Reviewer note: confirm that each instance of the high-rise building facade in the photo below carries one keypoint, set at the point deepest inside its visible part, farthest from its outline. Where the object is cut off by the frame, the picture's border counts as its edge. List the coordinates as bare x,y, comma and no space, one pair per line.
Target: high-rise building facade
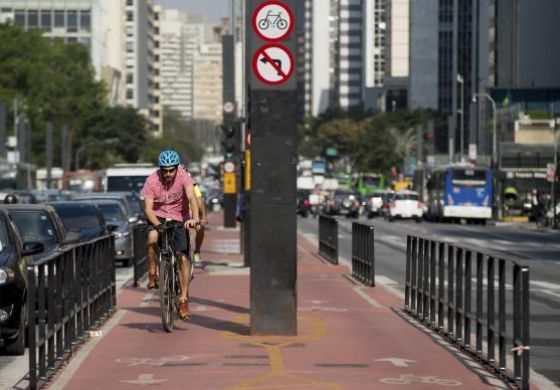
176,66
207,83
97,24
526,43
462,55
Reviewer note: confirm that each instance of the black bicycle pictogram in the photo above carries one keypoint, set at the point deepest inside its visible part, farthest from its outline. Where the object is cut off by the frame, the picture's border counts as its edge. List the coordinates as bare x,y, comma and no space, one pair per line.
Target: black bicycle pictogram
273,20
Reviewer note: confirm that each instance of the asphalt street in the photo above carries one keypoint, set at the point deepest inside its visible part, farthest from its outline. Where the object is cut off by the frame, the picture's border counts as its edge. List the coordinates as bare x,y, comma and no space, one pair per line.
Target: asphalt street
540,250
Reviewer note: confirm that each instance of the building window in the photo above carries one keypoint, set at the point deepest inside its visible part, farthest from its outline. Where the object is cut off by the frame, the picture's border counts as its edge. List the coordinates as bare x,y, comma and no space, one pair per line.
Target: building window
46,20
129,78
129,31
72,21
59,18
129,16
129,2
32,18
130,47
71,39
129,94
19,19
85,21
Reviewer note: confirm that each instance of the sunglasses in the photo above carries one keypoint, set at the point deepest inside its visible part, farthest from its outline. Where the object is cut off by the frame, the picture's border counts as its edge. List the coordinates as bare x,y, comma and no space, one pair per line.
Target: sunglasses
168,170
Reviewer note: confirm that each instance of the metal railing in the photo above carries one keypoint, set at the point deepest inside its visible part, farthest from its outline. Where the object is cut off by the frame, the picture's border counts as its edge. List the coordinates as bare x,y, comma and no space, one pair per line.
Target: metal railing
363,253
328,238
139,260
443,281
69,293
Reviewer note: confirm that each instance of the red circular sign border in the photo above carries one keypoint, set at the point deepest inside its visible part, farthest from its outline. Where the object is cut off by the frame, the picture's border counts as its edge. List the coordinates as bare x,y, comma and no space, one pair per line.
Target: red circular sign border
273,2
256,58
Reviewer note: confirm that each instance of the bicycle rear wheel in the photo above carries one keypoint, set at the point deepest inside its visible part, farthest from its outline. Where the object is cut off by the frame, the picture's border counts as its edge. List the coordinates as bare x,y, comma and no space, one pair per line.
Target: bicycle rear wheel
166,287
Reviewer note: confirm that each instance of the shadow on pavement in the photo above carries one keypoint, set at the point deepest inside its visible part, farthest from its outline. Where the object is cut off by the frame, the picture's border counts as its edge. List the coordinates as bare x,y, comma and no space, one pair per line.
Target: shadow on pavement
220,325
221,305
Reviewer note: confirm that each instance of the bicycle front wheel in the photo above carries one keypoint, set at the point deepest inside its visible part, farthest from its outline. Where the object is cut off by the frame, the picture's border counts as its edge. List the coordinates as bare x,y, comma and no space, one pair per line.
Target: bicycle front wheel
166,294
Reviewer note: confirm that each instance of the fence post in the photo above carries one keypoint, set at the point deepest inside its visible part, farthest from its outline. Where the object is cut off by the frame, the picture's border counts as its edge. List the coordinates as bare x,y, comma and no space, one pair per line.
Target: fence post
32,328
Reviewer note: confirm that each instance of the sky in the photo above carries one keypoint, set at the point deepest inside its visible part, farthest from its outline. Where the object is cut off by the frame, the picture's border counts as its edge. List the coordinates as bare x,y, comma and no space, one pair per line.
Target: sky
212,9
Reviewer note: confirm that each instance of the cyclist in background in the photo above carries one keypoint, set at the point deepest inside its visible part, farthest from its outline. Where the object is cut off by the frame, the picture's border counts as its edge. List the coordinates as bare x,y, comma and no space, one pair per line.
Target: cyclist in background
169,193
200,228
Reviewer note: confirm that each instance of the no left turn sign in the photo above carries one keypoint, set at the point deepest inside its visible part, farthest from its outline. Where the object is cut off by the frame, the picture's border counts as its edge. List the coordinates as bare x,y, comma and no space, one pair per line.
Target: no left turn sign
273,21
273,64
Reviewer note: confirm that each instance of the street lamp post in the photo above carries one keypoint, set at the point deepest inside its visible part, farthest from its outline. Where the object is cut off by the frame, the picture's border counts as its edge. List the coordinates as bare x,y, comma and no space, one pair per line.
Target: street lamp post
494,162
461,81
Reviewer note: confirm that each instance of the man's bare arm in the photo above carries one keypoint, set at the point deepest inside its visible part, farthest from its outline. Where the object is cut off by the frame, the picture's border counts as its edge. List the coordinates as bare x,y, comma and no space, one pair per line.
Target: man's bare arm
149,210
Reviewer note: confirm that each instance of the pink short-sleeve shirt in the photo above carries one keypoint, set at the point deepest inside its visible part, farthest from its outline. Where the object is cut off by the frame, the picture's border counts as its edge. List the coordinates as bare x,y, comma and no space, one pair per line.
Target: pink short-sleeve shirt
169,203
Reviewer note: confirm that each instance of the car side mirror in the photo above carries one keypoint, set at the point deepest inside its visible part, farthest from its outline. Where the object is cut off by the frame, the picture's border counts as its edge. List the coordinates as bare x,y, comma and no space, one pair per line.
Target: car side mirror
112,228
32,248
72,238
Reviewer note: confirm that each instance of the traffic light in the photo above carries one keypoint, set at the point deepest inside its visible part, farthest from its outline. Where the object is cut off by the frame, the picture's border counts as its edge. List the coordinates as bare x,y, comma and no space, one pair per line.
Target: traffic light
231,141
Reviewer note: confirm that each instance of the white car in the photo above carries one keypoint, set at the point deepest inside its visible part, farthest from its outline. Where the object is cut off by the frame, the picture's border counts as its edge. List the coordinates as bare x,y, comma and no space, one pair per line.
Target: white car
406,204
374,204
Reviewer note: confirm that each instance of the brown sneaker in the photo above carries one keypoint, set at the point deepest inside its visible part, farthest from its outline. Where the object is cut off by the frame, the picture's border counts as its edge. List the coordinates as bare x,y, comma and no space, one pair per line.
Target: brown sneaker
184,312
153,281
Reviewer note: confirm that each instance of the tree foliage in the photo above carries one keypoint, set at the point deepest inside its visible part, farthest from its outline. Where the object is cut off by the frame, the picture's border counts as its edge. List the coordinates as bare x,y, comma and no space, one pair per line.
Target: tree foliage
55,82
176,135
370,142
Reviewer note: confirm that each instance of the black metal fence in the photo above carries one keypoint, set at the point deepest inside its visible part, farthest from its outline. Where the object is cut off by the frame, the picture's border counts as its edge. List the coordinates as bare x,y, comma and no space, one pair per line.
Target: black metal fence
363,253
328,238
444,280
140,261
69,293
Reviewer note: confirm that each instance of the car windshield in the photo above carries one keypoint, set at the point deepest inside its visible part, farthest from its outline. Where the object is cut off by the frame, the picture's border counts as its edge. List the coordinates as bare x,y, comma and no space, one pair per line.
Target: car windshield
371,181
35,226
112,212
4,238
406,197
78,218
135,204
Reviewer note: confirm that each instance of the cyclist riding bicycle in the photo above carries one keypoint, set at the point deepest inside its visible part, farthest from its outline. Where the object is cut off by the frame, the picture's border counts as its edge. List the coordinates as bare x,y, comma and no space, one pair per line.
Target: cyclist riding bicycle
169,194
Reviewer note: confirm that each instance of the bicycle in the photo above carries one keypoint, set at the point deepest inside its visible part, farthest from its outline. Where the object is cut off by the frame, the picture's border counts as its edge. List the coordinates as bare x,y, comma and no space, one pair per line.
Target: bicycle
169,274
274,20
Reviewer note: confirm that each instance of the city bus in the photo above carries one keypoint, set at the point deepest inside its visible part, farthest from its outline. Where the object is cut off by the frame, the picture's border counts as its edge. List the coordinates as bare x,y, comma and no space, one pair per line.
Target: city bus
127,177
368,183
460,192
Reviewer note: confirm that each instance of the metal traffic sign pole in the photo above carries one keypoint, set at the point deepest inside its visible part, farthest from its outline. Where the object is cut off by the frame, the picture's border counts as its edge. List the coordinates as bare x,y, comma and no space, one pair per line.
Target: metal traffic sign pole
272,99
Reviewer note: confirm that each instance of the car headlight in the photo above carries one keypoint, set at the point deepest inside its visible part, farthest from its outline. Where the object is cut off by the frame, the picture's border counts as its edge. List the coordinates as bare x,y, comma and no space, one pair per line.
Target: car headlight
121,234
6,275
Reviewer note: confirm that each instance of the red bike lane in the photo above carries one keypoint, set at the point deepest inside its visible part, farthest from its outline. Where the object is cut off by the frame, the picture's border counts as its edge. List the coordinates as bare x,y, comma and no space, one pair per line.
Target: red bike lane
349,337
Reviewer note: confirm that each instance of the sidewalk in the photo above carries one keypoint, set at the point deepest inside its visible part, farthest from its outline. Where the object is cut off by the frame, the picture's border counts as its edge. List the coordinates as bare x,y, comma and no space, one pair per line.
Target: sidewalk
349,337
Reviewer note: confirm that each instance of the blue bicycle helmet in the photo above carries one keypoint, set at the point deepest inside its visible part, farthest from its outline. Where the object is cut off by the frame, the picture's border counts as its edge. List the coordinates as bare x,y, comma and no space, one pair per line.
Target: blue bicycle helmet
168,158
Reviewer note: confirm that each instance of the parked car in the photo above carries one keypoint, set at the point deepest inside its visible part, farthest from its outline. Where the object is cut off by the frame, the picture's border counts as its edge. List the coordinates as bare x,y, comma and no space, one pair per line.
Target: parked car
406,204
14,258
344,202
43,196
120,225
132,203
81,217
302,203
40,223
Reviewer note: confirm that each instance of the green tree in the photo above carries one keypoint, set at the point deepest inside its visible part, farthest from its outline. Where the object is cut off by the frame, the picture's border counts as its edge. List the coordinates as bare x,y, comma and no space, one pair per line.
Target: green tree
176,135
52,81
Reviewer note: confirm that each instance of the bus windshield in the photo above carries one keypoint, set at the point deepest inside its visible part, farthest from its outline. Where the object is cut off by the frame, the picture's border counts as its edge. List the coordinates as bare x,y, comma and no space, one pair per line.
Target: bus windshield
371,181
468,177
125,183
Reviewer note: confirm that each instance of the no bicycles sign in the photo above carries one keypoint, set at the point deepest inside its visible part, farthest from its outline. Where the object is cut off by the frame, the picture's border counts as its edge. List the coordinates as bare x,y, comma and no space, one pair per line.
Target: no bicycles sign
273,21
